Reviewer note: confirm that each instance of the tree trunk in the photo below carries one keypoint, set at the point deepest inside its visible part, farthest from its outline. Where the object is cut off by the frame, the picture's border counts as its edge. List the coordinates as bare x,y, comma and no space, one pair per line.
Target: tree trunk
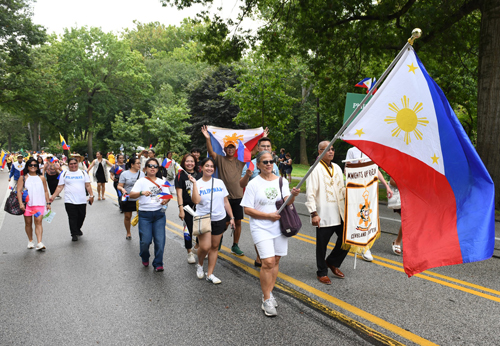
488,107
90,133
303,148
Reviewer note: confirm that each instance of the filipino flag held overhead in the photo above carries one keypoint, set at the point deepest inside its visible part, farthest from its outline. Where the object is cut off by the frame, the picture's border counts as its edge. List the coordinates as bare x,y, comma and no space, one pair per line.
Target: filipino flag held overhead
63,143
367,83
221,137
447,196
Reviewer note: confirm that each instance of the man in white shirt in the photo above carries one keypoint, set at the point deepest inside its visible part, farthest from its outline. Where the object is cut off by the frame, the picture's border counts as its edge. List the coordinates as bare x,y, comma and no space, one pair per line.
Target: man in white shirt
325,200
354,155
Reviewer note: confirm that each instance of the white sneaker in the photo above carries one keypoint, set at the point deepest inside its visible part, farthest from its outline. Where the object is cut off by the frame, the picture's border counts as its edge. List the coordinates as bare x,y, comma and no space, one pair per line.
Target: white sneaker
40,246
367,256
213,279
272,298
199,271
268,307
31,245
191,259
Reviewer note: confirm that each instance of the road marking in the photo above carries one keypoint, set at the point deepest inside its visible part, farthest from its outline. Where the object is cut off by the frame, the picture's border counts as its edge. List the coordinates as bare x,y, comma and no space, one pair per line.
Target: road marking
346,306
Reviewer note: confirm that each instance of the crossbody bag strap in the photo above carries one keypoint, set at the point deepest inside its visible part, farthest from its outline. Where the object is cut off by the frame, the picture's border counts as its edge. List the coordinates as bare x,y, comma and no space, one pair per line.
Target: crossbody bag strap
152,182
211,198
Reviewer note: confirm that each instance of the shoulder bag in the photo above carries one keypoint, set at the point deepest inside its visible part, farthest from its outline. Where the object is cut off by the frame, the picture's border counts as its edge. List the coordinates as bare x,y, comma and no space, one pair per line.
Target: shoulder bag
203,224
12,205
290,223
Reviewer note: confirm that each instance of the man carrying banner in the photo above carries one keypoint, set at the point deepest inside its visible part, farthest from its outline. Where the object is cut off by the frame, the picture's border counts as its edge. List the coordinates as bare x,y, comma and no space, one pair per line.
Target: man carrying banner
354,155
229,169
325,200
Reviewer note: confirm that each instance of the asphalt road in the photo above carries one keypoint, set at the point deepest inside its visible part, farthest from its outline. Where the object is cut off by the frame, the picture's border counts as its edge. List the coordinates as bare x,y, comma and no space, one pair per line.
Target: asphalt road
96,292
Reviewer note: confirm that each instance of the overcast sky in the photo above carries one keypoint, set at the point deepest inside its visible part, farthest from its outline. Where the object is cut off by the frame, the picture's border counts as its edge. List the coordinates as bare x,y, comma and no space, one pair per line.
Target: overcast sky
114,15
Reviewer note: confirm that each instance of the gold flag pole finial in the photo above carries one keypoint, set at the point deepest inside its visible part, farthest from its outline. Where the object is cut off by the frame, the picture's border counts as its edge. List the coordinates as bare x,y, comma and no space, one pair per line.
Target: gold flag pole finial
416,33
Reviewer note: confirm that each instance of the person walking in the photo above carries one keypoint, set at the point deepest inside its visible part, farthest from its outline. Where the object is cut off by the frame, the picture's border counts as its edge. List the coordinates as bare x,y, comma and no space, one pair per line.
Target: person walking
229,170
15,171
259,202
152,219
281,158
125,184
210,196
41,164
75,182
100,174
184,187
115,171
10,159
33,205
325,200
52,170
287,167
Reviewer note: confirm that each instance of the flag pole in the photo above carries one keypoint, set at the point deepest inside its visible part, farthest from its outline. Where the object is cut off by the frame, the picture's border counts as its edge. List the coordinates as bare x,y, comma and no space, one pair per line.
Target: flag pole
416,33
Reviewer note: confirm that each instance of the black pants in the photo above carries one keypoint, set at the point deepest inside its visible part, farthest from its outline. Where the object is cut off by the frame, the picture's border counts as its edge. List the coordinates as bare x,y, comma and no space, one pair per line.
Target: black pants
76,216
115,185
52,181
188,219
337,255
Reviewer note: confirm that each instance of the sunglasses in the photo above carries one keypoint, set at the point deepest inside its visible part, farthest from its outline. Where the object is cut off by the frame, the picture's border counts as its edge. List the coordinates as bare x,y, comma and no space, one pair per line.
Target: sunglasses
331,149
267,162
152,166
36,165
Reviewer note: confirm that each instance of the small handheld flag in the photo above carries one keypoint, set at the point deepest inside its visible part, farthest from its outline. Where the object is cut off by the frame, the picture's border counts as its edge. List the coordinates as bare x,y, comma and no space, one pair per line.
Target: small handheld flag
63,143
167,184
367,83
117,170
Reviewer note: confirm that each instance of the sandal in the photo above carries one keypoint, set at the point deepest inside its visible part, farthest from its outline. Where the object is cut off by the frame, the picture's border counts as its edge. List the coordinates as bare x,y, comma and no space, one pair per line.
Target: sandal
396,249
98,198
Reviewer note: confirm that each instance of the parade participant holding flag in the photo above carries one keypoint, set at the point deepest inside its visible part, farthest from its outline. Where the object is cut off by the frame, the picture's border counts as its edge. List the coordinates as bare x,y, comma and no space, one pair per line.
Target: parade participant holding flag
125,185
16,170
33,202
184,186
152,197
100,174
115,172
325,200
229,169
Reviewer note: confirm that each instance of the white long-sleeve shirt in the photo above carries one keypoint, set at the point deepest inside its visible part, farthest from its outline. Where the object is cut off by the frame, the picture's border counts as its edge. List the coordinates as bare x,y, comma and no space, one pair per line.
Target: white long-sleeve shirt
325,194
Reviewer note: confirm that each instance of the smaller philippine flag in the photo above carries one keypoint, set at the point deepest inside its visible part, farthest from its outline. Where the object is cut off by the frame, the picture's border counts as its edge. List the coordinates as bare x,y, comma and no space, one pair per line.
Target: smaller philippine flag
4,158
447,196
166,163
63,143
367,83
165,195
167,184
118,170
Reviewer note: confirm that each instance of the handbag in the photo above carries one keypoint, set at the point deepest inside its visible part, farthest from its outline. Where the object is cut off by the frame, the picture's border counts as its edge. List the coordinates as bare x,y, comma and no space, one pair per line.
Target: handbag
290,223
203,224
12,204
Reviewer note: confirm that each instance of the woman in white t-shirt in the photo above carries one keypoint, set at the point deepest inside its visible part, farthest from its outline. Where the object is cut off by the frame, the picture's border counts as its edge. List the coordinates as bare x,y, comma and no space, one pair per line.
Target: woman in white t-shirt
34,203
75,182
210,194
259,202
153,198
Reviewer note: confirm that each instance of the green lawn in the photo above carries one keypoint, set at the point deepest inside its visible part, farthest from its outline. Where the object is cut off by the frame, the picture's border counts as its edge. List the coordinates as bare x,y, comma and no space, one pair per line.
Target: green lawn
299,170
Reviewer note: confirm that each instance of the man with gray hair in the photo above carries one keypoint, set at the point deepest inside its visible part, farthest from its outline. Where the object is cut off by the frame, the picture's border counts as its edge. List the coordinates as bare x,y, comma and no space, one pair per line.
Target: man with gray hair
325,197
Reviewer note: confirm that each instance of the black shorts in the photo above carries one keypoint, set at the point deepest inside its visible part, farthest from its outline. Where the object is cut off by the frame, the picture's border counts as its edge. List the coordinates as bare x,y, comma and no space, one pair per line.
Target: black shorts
128,206
236,208
218,227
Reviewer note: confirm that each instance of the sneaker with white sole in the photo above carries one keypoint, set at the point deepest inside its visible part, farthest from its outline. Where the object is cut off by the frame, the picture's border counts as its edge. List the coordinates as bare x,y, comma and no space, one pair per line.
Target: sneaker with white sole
367,256
191,259
213,279
268,308
199,271
273,299
40,246
31,245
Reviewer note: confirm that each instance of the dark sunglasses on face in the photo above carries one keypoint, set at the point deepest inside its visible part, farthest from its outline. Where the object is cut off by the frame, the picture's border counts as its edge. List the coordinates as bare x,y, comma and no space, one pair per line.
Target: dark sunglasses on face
152,166
268,162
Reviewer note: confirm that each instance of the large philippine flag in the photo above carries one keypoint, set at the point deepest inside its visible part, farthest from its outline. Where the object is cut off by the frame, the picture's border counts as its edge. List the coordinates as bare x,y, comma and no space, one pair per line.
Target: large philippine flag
221,137
447,197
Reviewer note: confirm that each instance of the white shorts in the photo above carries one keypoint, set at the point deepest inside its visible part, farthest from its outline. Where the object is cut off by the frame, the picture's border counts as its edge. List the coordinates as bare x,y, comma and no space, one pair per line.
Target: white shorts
273,247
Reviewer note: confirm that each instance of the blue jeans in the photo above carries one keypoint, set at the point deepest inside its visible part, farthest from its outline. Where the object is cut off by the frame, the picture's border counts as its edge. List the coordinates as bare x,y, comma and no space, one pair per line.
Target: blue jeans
152,227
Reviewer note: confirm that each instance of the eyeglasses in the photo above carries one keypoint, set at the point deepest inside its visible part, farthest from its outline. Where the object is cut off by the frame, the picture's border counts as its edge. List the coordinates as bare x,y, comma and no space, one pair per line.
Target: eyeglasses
36,165
331,149
267,162
152,166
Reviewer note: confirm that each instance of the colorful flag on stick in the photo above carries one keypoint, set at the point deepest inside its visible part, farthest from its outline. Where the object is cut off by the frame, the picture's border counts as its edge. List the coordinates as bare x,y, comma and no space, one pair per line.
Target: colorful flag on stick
367,83
447,195
245,155
117,170
63,143
3,155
